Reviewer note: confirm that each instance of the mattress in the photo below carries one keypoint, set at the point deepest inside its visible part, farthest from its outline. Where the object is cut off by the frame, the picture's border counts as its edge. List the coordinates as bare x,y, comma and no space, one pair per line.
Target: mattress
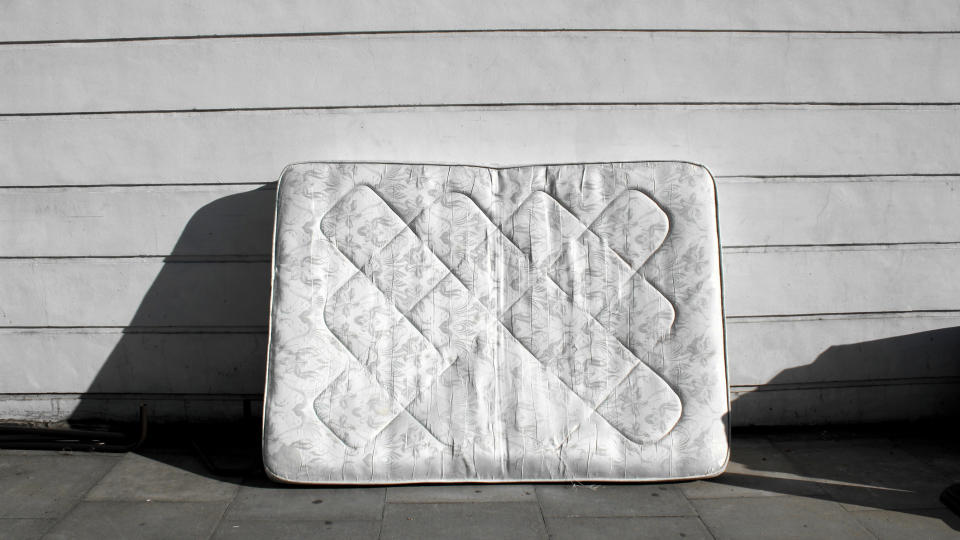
437,323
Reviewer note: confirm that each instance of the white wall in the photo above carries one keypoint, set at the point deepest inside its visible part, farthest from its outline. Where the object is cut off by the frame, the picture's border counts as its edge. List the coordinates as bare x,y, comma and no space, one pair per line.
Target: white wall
136,138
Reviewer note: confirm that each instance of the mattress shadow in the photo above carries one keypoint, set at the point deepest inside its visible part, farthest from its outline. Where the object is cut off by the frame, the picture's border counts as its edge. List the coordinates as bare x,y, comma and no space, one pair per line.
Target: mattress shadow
195,349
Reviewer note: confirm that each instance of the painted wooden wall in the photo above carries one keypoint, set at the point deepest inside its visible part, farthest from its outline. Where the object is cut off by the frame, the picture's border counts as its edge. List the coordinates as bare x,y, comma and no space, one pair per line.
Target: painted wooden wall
139,140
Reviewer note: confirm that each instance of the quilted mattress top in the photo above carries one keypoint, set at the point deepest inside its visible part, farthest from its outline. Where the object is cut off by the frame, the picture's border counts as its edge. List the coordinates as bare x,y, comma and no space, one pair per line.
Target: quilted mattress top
435,323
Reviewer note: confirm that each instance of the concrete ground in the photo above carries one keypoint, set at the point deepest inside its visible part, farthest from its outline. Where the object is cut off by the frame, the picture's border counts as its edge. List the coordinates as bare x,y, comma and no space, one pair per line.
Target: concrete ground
871,483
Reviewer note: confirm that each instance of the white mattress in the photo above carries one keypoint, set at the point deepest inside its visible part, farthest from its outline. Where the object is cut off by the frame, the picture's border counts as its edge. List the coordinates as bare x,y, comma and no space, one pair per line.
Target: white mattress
449,323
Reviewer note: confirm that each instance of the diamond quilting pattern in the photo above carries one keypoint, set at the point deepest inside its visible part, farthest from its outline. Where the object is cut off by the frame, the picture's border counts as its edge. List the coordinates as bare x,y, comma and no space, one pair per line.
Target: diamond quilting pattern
454,276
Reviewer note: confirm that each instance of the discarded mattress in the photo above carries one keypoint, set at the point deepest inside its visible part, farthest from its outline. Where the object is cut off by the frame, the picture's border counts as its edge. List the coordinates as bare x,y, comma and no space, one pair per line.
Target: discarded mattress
450,323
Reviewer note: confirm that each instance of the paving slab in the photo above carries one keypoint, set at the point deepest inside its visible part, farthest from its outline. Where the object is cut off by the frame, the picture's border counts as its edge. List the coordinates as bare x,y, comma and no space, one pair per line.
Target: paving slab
778,517
756,469
23,529
606,500
97,520
282,502
503,521
47,486
259,530
868,474
162,477
930,524
688,528
461,494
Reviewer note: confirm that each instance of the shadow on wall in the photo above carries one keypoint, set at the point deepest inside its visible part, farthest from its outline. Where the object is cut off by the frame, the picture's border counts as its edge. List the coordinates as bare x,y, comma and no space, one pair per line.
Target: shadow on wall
196,347
908,377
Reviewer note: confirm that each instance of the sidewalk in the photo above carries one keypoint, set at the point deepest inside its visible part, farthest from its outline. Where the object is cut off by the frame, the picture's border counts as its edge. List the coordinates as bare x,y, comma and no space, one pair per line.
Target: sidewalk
793,484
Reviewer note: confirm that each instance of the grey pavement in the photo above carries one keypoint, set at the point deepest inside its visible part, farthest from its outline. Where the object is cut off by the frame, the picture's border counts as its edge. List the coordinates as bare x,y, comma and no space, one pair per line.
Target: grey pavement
780,484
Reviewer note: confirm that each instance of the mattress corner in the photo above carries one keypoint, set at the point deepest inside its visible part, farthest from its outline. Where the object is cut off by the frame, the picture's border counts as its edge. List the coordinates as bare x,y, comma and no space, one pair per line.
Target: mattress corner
719,468
704,174
722,466
288,170
699,167
269,469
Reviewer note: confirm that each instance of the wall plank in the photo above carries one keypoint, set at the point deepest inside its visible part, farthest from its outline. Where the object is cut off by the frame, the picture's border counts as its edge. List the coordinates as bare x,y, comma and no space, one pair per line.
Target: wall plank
149,292
161,408
237,219
142,292
99,19
484,68
761,211
776,281
808,350
143,220
255,146
905,400
111,360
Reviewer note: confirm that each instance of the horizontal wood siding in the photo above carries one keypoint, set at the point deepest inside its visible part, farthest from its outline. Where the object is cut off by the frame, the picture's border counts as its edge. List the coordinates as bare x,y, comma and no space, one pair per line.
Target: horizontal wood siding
879,348
133,291
112,19
858,210
117,360
199,220
867,402
139,151
774,281
254,146
495,68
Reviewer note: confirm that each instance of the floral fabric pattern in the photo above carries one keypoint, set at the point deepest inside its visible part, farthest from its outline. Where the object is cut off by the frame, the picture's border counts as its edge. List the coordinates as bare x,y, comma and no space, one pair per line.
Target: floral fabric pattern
449,323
